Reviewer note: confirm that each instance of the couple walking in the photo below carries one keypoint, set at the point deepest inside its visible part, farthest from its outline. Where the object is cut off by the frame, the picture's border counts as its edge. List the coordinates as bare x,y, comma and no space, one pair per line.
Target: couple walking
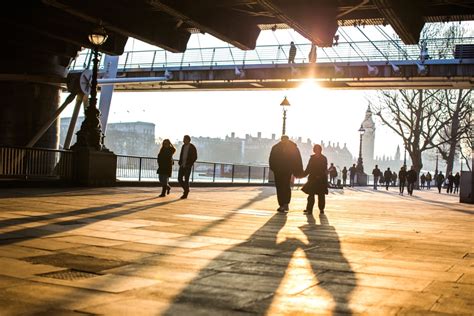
285,162
187,157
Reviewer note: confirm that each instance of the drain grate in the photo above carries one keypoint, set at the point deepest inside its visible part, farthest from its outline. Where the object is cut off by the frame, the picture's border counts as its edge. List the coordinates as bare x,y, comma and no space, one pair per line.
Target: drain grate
70,275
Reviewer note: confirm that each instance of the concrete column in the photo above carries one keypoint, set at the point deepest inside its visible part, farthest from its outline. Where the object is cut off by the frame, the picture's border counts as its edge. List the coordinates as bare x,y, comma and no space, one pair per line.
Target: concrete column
24,108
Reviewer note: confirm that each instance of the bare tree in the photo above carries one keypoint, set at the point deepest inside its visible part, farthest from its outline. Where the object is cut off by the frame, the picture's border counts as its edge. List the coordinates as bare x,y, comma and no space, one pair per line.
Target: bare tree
456,112
414,116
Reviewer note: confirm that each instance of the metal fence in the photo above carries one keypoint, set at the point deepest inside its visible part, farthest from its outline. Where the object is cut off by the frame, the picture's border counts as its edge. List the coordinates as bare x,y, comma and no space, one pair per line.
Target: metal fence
388,50
30,163
134,168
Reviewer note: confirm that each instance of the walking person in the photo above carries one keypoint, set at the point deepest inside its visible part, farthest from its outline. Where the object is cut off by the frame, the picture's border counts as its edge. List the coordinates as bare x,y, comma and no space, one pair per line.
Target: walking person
450,179
412,177
344,176
388,177
457,181
165,166
312,56
394,178
422,180
285,161
187,157
292,53
376,173
317,183
439,181
332,174
402,177
352,174
428,180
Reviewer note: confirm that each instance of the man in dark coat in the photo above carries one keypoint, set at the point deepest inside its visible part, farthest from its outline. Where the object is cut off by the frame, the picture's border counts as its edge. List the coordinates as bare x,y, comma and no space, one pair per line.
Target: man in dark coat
412,177
450,183
285,161
317,180
376,173
344,176
439,181
402,177
352,174
388,177
187,157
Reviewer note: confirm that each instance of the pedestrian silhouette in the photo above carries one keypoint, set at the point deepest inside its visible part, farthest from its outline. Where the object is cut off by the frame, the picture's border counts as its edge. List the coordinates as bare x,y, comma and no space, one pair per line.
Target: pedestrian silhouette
285,161
412,178
317,183
387,177
402,177
187,157
165,166
439,181
376,173
292,53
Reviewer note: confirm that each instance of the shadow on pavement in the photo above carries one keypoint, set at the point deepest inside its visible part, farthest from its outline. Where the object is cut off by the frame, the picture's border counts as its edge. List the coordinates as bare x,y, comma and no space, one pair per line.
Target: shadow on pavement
251,282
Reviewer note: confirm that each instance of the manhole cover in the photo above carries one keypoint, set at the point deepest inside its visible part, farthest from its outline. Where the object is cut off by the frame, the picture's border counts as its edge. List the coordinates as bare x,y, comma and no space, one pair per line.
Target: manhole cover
76,262
70,275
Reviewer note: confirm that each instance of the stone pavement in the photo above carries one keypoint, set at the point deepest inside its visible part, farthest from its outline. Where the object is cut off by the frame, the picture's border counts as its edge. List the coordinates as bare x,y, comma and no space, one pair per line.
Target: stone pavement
225,251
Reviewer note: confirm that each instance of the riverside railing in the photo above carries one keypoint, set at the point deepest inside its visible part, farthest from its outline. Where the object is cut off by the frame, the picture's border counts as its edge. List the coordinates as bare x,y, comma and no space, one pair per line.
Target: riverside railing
35,163
365,51
135,168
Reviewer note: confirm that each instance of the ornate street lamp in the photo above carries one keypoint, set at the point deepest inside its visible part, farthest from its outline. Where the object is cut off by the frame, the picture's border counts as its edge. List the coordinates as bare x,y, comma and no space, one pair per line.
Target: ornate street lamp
285,104
90,134
360,166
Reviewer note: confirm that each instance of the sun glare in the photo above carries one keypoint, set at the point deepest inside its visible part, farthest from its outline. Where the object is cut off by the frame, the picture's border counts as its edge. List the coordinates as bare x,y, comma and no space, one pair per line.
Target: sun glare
309,90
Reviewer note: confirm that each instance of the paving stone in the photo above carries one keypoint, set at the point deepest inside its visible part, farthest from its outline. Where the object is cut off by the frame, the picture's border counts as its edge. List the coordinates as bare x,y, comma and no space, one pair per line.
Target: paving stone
23,270
467,278
13,251
225,251
108,253
51,296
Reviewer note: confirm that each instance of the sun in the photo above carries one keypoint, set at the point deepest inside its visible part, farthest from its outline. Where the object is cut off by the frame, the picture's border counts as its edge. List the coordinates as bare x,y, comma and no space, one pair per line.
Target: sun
308,92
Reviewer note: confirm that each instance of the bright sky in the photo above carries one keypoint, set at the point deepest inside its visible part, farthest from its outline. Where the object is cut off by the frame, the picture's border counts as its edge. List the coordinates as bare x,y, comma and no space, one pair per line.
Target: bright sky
315,113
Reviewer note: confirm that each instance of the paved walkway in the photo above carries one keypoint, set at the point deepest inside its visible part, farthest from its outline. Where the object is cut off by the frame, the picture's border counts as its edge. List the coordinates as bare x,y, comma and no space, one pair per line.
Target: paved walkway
225,251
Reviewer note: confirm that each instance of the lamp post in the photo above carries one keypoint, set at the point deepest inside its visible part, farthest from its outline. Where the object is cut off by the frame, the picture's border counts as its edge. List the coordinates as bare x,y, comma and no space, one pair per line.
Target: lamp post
285,104
436,168
360,166
405,156
90,134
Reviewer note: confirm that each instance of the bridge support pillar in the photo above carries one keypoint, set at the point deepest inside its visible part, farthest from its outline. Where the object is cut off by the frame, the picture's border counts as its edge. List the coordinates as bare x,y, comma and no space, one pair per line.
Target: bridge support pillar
24,108
94,168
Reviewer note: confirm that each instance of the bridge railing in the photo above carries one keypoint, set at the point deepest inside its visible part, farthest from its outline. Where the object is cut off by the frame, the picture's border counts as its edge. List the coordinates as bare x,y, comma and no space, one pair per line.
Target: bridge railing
393,50
135,168
35,163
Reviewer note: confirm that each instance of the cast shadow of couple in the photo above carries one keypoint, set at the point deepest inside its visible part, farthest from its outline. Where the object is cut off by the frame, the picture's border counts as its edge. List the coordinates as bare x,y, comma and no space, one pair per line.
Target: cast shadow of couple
250,284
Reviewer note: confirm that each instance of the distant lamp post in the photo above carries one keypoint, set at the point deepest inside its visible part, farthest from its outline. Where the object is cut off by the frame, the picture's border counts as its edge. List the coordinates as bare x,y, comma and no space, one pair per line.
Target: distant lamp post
436,167
405,156
90,134
360,166
285,104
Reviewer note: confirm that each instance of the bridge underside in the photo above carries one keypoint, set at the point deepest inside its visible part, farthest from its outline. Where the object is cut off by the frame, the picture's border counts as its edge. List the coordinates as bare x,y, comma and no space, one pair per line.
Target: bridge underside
406,75
41,37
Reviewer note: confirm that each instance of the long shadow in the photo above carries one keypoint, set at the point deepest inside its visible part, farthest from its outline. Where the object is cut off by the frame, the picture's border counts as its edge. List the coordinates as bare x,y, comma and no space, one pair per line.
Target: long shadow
337,278
87,210
69,192
250,283
43,230
448,205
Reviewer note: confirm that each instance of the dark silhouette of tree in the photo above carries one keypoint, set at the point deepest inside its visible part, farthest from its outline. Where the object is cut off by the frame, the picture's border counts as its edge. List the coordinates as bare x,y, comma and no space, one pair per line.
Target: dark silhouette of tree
414,115
456,112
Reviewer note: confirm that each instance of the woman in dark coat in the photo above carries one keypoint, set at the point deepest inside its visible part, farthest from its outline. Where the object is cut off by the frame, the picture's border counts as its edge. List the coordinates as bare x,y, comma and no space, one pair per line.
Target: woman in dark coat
165,165
317,183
